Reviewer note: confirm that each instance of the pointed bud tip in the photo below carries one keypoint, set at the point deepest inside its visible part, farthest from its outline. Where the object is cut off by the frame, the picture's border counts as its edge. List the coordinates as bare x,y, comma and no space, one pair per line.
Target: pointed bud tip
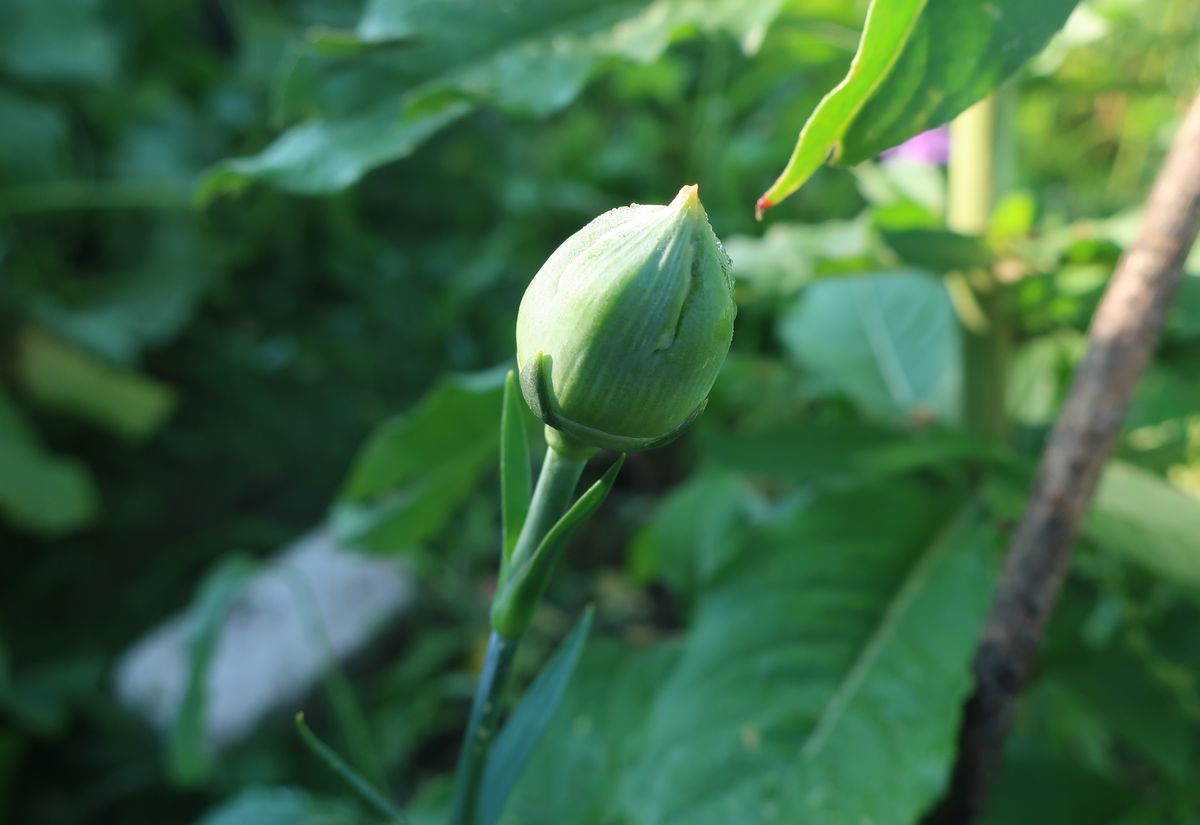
688,197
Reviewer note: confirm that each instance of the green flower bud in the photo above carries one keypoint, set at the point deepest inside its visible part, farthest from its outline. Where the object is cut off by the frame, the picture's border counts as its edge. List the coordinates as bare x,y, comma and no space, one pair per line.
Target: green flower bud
622,332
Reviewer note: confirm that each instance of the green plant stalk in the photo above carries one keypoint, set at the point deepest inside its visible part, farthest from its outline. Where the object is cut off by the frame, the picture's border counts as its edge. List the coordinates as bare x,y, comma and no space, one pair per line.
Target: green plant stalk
975,154
551,499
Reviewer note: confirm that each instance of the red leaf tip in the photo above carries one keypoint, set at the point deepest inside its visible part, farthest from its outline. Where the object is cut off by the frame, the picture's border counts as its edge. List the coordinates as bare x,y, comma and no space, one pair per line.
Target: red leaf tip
764,203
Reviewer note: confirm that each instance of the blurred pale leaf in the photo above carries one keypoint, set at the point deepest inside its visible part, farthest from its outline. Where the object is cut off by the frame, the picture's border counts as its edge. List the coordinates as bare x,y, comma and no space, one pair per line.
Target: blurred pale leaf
1143,518
788,256
888,340
34,141
63,377
284,806
428,63
40,491
63,40
829,696
919,64
418,467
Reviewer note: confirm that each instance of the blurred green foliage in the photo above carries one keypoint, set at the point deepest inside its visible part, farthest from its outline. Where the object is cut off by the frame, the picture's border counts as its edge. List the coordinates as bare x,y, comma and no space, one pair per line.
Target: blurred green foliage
189,375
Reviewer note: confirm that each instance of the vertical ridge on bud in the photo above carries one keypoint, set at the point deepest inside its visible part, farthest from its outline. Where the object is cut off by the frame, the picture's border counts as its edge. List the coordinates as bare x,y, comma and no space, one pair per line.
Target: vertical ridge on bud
630,320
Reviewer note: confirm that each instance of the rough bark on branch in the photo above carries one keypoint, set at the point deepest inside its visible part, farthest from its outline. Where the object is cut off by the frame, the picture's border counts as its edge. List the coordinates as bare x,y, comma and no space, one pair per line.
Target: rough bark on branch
1121,341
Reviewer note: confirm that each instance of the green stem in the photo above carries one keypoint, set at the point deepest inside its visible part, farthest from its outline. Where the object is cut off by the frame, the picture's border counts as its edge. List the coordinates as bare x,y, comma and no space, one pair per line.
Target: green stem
551,499
972,192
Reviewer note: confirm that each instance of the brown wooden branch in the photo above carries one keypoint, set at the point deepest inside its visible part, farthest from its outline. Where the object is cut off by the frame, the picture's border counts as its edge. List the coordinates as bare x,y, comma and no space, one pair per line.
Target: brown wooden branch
1121,341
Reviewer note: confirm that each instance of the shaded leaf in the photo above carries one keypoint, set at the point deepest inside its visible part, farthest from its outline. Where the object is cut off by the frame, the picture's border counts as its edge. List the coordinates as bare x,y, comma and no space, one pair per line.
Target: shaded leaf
889,340
61,41
40,491
833,453
283,806
939,250
417,468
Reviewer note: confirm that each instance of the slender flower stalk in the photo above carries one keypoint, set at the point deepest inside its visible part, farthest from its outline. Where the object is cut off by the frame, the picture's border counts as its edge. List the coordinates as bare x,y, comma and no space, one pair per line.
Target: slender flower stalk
551,499
620,337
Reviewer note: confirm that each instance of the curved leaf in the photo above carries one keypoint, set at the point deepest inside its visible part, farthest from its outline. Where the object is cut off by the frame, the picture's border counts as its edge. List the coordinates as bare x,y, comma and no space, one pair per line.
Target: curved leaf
919,64
416,67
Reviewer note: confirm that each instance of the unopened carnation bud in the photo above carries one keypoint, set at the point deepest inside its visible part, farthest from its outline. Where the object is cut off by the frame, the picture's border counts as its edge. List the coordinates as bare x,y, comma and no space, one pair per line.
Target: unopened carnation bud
622,332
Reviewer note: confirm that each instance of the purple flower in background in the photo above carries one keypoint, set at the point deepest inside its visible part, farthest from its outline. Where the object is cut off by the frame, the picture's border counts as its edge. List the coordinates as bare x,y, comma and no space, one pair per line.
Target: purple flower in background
931,148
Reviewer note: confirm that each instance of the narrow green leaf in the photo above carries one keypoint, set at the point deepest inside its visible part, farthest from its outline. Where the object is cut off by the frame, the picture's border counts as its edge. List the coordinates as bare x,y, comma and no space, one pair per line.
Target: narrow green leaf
887,28
342,768
918,65
521,591
189,755
524,729
515,474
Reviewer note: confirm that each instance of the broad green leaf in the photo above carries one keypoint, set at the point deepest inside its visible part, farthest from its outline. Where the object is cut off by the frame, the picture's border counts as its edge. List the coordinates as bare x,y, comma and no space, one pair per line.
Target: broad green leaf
39,491
63,377
419,66
594,738
837,453
919,64
1142,517
524,729
821,680
418,467
888,340
515,476
939,250
284,806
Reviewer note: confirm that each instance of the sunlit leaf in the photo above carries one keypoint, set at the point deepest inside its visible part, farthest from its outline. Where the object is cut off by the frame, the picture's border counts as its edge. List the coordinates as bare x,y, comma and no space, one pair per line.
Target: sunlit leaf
423,65
919,64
